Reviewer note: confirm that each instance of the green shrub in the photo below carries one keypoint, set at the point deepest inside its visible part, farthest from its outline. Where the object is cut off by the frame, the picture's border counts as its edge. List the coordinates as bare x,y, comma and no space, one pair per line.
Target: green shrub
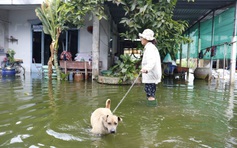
126,69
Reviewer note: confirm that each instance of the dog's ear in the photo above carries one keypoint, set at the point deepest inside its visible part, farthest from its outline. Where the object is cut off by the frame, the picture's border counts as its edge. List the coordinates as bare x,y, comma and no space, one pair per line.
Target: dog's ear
120,119
105,117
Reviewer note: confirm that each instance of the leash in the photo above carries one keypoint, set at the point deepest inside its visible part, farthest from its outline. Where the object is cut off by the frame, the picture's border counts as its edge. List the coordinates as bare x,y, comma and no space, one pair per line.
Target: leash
127,92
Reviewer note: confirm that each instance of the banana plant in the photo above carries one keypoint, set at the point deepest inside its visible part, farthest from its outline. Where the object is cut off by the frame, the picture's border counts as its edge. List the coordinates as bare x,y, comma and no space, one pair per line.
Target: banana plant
59,15
49,15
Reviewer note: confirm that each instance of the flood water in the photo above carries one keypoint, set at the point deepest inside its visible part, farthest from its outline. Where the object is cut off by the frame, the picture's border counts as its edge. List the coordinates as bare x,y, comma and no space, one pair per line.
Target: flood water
37,113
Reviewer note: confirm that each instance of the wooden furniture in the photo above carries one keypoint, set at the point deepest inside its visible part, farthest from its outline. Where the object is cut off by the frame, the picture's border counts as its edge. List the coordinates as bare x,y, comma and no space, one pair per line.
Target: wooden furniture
77,66
182,69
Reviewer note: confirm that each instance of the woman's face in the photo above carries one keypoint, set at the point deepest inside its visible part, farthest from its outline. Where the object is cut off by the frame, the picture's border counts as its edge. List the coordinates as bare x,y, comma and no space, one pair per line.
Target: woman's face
143,41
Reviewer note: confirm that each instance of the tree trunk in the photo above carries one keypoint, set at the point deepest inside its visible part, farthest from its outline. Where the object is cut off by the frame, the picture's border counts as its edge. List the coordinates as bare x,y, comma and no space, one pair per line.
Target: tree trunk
50,62
53,60
58,71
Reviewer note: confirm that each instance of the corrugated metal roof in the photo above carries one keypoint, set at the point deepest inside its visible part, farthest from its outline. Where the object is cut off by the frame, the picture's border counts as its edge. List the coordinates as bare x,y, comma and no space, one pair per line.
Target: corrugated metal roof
184,10
194,11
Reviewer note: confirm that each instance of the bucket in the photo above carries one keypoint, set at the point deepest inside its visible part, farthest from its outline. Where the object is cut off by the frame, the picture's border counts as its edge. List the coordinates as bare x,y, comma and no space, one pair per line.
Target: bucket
169,70
78,77
8,72
71,76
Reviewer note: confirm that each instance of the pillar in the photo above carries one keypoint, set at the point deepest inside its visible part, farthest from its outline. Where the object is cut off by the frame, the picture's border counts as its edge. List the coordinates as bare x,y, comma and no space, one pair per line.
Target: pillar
233,51
95,47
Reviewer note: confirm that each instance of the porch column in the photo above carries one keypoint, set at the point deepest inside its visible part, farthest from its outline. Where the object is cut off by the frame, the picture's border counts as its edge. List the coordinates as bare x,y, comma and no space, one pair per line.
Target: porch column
188,53
233,51
212,43
233,62
95,47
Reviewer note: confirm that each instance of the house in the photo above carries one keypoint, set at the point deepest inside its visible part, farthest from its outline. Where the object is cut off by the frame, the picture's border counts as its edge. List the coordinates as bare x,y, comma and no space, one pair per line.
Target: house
21,30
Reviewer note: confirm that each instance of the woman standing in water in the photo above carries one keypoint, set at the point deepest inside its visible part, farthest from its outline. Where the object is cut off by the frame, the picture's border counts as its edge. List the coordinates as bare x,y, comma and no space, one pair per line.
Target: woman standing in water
151,64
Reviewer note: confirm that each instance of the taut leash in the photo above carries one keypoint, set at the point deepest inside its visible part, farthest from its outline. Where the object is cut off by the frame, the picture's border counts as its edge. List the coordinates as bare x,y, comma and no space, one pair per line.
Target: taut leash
127,92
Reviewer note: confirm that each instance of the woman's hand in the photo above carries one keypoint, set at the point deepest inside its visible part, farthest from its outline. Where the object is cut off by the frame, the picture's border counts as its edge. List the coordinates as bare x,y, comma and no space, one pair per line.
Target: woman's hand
144,71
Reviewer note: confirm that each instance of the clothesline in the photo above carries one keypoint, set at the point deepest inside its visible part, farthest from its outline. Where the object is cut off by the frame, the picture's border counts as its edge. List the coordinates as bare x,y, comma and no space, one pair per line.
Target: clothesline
212,49
219,45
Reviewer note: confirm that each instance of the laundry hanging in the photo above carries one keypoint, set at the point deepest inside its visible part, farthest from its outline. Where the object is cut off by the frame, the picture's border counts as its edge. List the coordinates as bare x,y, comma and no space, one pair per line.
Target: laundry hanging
213,51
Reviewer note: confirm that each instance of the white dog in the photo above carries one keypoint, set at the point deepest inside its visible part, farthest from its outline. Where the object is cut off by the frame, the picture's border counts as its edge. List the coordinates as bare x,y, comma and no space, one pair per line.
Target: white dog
103,121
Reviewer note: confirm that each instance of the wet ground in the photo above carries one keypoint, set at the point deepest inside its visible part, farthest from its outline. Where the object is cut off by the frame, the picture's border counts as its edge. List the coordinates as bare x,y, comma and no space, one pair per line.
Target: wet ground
194,113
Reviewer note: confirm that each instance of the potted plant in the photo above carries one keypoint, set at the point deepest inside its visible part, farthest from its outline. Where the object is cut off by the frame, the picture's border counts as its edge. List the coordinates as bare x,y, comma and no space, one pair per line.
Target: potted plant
124,72
10,55
7,65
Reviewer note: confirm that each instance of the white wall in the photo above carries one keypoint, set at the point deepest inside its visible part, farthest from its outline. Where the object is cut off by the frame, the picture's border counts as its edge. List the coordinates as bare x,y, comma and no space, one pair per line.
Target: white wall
3,33
104,43
85,38
85,41
21,2
4,22
20,29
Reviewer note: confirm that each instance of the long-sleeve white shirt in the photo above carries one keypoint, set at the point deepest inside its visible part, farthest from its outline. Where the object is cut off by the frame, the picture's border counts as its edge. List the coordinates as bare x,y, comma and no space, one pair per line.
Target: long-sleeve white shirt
152,63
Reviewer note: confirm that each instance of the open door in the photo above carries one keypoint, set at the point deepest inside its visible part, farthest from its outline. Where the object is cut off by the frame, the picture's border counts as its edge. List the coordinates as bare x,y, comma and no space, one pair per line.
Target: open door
68,41
40,48
37,51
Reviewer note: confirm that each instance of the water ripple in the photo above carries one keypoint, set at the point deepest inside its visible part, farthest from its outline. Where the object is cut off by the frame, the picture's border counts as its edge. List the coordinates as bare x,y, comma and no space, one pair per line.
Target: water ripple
18,138
62,136
38,113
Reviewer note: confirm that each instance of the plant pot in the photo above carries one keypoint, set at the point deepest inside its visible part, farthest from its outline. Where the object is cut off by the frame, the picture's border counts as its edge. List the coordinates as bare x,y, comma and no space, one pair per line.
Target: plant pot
8,72
78,77
201,72
114,80
106,72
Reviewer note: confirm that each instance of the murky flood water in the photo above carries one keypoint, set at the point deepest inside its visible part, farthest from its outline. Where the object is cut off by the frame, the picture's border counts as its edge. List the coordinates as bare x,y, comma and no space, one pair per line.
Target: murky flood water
35,113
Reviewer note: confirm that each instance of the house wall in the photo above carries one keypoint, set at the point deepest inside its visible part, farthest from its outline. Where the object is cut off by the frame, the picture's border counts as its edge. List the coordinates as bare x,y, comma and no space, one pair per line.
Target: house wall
3,33
104,44
18,26
21,1
85,38
85,42
20,29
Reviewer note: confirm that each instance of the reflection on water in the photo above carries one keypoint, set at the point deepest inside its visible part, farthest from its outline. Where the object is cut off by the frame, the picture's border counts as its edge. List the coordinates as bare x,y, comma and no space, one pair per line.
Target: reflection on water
35,112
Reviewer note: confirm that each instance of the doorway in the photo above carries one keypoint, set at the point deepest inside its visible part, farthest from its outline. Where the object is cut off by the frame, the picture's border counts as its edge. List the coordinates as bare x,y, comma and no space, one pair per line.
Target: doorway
40,48
68,41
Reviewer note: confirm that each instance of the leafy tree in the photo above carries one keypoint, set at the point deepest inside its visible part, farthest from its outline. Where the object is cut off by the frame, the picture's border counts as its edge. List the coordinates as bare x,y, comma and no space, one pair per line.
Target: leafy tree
142,14
58,15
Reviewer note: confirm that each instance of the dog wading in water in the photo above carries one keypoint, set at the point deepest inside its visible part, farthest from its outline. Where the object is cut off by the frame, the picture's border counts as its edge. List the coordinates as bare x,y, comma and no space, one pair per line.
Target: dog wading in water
103,121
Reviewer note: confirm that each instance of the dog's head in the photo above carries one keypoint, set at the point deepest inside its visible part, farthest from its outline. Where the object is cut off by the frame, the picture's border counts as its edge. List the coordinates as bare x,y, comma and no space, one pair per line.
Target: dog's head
110,123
